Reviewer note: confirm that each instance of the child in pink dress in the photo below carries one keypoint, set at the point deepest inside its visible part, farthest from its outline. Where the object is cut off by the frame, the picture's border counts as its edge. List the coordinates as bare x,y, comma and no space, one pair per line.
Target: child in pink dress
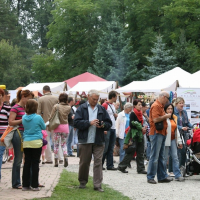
44,133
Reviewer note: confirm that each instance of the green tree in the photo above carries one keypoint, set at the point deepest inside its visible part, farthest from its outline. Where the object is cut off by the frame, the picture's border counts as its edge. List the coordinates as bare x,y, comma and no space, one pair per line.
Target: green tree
186,53
145,22
161,60
8,22
45,67
14,73
114,59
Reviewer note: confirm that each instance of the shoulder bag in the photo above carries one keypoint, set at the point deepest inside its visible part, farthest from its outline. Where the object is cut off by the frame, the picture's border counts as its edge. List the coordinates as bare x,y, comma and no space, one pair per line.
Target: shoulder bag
159,126
112,110
54,122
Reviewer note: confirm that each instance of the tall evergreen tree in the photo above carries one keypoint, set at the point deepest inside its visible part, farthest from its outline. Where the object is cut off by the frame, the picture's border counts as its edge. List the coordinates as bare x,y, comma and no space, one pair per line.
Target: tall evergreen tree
114,59
187,53
161,60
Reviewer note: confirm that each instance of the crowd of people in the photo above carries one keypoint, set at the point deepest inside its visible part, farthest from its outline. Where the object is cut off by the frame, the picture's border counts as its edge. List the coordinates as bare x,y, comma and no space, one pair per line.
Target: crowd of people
96,127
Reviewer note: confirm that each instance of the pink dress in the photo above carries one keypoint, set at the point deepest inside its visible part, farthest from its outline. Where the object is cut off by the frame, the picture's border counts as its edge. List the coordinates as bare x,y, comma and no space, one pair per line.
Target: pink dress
44,133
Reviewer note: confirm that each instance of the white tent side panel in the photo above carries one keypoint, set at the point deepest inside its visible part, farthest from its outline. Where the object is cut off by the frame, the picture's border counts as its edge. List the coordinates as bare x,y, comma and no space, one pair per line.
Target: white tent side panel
55,87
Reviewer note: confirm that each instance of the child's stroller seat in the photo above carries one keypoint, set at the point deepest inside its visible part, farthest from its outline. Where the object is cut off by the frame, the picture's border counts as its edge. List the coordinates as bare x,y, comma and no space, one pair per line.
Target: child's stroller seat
195,147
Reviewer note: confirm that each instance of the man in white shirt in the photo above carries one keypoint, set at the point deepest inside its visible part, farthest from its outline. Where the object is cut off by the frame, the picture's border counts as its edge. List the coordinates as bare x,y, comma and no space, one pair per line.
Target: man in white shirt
110,136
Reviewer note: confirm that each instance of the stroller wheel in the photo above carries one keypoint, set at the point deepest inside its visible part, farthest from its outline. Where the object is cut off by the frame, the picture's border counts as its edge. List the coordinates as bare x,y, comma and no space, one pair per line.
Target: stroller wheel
183,171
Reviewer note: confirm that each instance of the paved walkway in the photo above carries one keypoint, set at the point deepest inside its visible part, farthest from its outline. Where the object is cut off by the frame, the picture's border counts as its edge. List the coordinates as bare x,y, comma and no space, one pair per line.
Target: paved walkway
136,187
132,184
49,177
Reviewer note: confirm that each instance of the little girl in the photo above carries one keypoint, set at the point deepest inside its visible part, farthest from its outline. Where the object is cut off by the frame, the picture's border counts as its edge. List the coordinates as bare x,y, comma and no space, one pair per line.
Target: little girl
32,145
44,133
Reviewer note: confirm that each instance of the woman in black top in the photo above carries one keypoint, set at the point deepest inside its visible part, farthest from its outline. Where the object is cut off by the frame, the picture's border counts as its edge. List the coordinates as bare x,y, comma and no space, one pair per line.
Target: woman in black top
136,135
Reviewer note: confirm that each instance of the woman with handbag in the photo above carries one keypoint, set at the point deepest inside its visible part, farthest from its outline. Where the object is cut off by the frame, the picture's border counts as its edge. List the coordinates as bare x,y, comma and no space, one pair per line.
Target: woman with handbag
134,140
173,140
183,125
15,119
62,130
4,115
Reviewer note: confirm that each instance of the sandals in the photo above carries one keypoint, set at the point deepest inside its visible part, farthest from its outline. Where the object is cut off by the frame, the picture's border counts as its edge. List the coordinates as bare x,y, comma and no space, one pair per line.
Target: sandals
18,187
40,185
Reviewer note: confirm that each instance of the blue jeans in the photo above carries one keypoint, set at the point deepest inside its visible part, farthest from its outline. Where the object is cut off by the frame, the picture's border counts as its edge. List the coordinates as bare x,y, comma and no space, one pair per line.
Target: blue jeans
2,149
172,150
182,154
157,158
16,141
121,150
110,138
148,150
69,140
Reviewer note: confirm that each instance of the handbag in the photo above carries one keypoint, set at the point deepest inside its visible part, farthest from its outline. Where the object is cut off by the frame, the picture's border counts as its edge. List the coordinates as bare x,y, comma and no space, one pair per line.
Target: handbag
131,147
44,142
159,126
6,138
54,122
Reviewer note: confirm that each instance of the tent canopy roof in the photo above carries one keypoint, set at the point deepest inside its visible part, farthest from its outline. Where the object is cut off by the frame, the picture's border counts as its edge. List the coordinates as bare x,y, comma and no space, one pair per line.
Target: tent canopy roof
85,77
104,86
56,87
170,76
166,81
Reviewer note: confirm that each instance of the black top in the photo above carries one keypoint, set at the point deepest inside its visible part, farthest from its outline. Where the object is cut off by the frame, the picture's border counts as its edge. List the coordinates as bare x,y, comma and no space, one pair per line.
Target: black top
70,120
133,117
82,123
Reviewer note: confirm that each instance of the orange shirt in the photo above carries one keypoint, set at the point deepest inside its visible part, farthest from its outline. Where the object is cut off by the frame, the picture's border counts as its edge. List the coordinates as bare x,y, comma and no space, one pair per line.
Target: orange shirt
173,128
157,110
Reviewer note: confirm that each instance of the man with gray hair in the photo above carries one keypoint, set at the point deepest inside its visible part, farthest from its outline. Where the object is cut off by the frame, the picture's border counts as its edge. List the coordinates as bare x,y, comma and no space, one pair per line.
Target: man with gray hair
91,120
157,138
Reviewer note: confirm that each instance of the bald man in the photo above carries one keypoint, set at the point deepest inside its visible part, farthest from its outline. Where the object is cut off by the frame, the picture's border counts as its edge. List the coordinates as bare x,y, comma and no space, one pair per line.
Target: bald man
157,139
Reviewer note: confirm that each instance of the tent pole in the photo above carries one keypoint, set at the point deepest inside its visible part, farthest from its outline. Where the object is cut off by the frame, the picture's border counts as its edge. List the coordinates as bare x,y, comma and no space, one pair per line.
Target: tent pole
75,97
120,101
65,87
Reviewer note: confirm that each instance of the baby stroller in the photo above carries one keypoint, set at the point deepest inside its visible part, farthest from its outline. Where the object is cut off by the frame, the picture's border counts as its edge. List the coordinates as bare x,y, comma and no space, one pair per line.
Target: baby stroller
192,151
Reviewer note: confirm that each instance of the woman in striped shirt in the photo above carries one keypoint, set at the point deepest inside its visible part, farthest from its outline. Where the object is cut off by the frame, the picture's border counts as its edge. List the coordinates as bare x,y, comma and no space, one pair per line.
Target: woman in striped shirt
15,119
4,115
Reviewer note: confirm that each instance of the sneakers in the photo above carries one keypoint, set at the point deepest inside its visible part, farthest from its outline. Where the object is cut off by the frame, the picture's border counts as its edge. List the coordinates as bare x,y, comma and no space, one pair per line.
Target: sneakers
35,189
166,180
186,175
146,162
171,174
181,179
122,170
82,186
152,181
26,188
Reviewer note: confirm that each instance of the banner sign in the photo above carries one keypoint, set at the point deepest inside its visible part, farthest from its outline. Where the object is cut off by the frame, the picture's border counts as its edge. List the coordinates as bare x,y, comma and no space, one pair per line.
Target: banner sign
192,103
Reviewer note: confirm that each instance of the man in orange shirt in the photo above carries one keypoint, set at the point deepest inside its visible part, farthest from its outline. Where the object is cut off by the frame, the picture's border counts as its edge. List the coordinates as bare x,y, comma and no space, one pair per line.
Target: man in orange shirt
157,138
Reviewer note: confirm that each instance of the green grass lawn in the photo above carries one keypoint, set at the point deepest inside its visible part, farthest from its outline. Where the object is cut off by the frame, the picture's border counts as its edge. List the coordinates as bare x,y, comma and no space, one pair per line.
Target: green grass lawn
67,188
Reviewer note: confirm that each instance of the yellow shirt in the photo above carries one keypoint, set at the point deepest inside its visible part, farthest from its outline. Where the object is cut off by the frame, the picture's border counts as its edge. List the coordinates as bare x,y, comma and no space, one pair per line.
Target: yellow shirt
33,144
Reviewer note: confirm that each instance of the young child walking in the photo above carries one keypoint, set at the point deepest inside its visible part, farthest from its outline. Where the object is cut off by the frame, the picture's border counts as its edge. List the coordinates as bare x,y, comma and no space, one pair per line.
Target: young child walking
32,145
44,133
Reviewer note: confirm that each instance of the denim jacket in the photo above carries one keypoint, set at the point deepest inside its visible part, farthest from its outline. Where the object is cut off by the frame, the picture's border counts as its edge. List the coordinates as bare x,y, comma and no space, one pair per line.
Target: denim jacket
185,121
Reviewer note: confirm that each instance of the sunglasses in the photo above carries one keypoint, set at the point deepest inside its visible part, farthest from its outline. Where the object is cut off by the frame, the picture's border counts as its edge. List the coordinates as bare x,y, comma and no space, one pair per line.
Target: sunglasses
167,97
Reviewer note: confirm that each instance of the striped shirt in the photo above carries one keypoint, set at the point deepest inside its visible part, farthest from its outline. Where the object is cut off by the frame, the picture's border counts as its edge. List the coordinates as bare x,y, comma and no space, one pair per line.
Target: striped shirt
4,115
20,112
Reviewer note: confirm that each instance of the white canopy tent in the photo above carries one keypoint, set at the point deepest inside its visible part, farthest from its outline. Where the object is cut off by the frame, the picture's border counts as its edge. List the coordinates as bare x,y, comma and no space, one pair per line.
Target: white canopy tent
192,81
104,87
168,81
56,87
145,86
